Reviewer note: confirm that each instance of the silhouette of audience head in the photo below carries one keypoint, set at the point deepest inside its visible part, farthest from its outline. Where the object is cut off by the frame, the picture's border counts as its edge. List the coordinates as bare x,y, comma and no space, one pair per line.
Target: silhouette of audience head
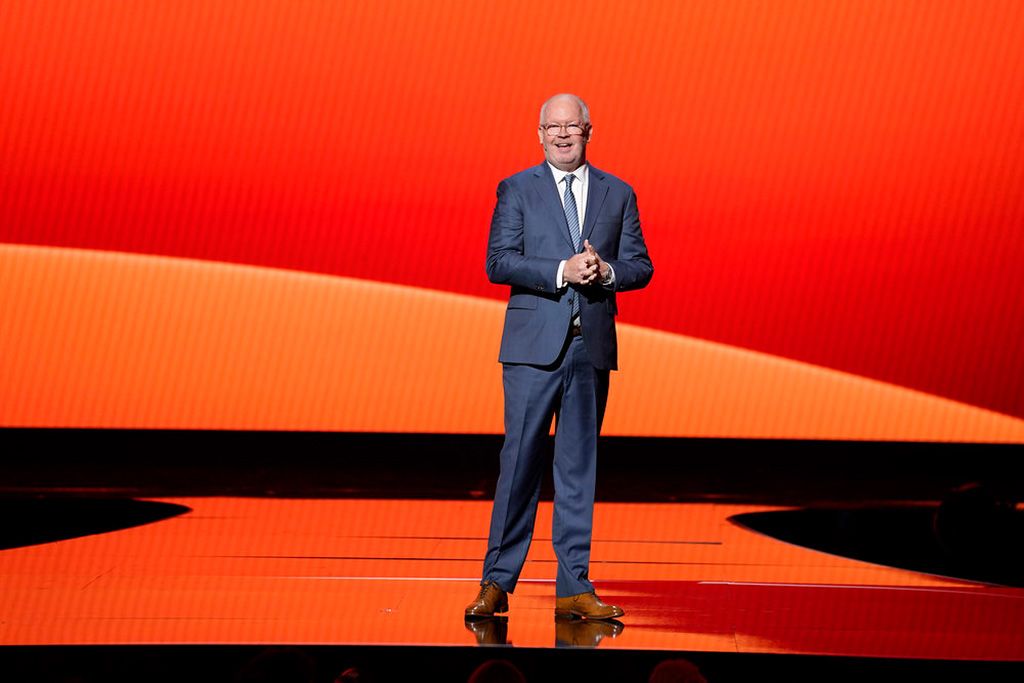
352,675
497,671
676,671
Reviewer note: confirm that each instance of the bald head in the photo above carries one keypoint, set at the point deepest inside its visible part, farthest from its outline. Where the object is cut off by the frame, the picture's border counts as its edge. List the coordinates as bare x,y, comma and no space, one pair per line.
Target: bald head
566,98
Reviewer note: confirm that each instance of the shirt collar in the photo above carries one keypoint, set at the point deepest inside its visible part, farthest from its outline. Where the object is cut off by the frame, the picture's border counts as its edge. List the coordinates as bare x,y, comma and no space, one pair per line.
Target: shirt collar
580,173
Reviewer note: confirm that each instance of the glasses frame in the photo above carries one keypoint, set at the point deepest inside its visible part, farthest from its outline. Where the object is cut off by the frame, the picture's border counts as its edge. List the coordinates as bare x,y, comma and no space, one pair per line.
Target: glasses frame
584,127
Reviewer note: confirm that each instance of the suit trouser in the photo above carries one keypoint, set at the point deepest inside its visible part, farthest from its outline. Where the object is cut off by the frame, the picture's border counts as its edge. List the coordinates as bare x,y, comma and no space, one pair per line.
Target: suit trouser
576,393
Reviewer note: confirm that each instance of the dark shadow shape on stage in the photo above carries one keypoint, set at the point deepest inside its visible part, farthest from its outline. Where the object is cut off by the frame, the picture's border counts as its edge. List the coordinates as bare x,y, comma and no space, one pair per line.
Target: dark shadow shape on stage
31,521
965,537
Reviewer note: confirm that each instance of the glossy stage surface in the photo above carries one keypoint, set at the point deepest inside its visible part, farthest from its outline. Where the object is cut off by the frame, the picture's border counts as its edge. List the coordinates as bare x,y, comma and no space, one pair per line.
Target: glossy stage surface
249,570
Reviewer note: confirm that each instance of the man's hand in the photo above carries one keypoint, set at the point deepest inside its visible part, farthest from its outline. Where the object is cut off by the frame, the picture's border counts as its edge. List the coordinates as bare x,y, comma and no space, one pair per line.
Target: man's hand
592,256
580,269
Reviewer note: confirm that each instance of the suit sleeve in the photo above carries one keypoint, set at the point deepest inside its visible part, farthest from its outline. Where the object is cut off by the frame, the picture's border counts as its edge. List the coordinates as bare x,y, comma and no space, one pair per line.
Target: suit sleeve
507,261
632,265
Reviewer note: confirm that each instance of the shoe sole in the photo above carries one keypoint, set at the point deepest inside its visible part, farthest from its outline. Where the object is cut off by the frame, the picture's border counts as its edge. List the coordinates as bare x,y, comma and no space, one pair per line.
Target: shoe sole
572,614
503,607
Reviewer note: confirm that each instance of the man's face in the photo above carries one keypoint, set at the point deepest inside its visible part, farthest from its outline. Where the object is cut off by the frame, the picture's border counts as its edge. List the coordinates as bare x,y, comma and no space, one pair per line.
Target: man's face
564,150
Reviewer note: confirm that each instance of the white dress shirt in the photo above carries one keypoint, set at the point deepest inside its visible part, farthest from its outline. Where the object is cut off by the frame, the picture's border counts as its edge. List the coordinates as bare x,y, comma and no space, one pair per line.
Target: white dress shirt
580,187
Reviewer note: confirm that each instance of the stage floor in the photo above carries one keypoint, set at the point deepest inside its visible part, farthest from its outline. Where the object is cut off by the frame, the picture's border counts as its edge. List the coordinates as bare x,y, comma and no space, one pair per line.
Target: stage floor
236,570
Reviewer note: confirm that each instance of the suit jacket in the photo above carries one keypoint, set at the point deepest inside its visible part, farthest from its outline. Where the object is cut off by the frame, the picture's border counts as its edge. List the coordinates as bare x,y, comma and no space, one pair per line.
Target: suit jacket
529,237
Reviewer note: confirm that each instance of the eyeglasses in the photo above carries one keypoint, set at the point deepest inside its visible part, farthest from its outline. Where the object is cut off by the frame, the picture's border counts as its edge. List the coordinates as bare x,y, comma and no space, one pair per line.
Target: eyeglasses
553,129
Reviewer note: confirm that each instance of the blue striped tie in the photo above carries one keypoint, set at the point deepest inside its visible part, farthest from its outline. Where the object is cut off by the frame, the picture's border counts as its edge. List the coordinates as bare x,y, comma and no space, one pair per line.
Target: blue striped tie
572,217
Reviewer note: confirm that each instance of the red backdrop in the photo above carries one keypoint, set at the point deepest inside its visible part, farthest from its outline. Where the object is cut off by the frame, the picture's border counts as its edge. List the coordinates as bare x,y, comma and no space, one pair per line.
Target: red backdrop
837,183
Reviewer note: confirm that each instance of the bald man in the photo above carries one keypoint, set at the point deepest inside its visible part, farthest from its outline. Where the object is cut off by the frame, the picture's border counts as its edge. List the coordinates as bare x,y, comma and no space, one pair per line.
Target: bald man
566,238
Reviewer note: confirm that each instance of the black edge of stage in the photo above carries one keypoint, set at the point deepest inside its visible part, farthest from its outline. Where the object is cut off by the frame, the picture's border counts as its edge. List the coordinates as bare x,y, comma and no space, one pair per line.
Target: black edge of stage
447,466
375,664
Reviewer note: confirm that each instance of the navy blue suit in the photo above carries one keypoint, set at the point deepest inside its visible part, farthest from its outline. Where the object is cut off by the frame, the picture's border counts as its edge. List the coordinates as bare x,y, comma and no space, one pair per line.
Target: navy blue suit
548,372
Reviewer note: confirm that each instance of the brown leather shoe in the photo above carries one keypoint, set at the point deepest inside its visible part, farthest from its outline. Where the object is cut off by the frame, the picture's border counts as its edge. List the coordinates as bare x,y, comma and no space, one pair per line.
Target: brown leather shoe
490,600
587,606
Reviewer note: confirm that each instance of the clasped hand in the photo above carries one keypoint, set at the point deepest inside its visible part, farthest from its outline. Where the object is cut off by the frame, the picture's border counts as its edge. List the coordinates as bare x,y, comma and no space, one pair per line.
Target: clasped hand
585,267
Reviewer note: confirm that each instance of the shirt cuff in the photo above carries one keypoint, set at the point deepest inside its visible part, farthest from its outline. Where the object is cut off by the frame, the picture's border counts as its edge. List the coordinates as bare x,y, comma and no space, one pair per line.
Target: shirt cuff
559,282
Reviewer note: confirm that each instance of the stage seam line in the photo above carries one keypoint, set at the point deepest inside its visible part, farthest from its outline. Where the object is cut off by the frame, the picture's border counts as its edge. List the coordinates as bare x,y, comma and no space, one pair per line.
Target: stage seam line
536,538
353,558
97,578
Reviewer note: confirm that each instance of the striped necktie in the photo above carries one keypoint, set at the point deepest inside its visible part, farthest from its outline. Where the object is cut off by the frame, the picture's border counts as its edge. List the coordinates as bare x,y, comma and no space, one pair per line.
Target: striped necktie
572,217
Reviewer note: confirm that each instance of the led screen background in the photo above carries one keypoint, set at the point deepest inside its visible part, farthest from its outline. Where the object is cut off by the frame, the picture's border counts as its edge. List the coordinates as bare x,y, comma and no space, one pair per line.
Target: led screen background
273,215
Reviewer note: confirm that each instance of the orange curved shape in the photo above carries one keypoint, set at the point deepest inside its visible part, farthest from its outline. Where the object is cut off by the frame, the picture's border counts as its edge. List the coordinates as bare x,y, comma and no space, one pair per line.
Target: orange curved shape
100,339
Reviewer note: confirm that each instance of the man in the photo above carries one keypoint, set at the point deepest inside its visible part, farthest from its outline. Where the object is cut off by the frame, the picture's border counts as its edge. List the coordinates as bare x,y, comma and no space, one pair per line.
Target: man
566,237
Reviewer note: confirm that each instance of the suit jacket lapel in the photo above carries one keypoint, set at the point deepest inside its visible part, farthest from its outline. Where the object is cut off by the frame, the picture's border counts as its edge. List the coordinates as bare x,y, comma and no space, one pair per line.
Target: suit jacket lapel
544,183
595,199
